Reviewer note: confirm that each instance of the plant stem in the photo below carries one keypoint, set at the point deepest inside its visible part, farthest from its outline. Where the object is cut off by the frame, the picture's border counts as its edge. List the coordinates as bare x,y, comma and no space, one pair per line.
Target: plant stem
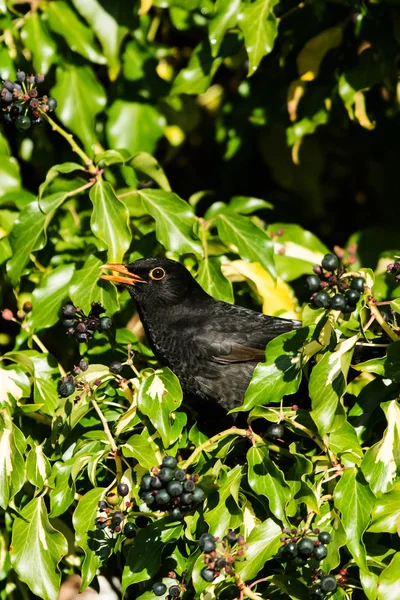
114,447
215,438
68,136
378,316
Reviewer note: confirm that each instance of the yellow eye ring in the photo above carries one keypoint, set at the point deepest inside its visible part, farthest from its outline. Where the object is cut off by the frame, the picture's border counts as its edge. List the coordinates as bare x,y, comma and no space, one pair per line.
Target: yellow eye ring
157,274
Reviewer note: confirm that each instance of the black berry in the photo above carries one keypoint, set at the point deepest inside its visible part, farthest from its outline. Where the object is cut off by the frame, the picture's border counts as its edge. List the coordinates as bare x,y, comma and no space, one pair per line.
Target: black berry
52,104
305,547
155,483
68,311
83,365
20,76
105,323
313,282
23,123
203,538
174,591
166,474
68,322
316,593
320,552
275,431
328,584
102,505
174,488
357,283
39,78
145,484
170,462
186,498
231,537
189,486
330,262
291,550
123,489
220,563
207,574
324,537
115,366
159,588
130,530
66,389
209,545
321,300
148,498
117,518
352,297
81,337
175,514
8,85
162,498
337,302
198,496
180,475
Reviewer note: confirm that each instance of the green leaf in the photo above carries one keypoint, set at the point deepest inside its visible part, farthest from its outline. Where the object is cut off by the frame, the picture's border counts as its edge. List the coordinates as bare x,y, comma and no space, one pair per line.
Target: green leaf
36,550
261,545
247,240
327,386
12,465
80,98
87,536
145,164
355,501
107,30
174,221
159,395
267,480
313,52
388,585
382,460
260,28
13,382
86,287
221,516
38,467
144,556
111,157
246,205
212,280
141,449
386,512
135,126
38,40
197,76
224,18
392,364
109,221
64,21
281,374
47,298
52,174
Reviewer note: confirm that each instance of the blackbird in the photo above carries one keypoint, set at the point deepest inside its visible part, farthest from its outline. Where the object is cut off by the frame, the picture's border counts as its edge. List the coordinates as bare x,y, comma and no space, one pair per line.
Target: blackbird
213,347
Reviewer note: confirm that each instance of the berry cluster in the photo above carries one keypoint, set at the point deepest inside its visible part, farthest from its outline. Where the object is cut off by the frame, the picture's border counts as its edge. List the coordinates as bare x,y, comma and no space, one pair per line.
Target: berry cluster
82,326
330,289
394,269
20,101
68,383
297,550
172,489
324,584
160,589
220,556
116,520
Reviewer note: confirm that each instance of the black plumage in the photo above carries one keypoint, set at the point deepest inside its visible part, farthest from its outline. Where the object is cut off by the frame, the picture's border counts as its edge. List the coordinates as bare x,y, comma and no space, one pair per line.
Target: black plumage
212,346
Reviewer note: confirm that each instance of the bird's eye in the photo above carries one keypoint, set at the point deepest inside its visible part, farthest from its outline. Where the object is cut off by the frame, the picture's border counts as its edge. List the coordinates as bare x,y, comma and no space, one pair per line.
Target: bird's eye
157,274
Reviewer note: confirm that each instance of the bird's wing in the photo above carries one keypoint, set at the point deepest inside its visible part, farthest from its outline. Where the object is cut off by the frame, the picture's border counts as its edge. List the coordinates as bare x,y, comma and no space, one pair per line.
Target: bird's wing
241,336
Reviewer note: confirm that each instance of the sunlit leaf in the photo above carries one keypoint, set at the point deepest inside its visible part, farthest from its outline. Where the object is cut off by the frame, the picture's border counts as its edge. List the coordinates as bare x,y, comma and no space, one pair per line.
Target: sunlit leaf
47,298
260,28
38,40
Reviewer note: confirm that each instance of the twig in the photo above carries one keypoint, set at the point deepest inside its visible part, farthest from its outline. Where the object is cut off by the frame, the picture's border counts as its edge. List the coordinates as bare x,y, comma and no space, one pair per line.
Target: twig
212,440
378,316
114,447
69,137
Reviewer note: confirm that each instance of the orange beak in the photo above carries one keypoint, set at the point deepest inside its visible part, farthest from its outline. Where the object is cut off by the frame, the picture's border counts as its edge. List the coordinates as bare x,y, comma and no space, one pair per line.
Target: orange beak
129,279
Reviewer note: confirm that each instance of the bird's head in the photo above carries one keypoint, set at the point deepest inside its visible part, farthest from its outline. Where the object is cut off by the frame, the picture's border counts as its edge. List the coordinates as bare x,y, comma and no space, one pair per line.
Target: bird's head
155,281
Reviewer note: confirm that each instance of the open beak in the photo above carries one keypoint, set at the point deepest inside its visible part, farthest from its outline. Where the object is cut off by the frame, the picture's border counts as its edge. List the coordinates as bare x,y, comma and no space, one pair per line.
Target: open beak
126,277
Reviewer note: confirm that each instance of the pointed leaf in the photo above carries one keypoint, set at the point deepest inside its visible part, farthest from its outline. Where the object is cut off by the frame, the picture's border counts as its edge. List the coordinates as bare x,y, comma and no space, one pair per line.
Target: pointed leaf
248,240
267,480
47,298
87,534
86,287
38,467
213,281
261,545
197,76
260,28
36,550
220,517
135,126
109,221
224,18
174,221
141,449
37,39
12,465
388,586
144,163
386,512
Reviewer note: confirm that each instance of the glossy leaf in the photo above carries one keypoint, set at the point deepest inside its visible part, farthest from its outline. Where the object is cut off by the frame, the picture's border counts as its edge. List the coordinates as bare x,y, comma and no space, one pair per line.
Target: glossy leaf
135,126
262,544
197,76
388,586
64,21
145,164
38,467
107,30
144,556
224,18
260,27
38,40
14,383
355,501
80,98
87,536
281,374
266,479
381,462
159,395
221,517
327,386
48,297
174,221
386,512
36,550
109,221
246,239
85,287
12,465
313,52
141,449
212,280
